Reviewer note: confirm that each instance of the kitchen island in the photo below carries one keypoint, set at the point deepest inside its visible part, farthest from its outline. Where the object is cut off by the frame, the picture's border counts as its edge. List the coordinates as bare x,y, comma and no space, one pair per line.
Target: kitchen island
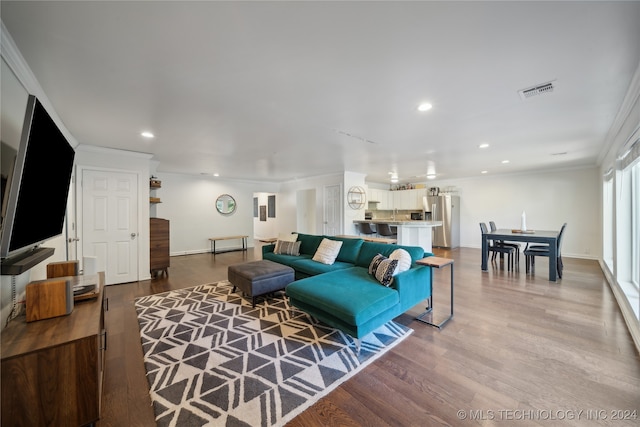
410,233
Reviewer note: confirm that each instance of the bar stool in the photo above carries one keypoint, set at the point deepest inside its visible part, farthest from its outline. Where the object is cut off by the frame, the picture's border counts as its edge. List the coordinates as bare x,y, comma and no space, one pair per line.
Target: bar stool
385,231
365,228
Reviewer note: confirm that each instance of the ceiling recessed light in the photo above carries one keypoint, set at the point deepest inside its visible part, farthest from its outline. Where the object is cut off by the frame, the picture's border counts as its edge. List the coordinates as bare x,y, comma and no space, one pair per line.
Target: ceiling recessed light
483,145
505,161
425,106
484,172
431,176
147,134
216,174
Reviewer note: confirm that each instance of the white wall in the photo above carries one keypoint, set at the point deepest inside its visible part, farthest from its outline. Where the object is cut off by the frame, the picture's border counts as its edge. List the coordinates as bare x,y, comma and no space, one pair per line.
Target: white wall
289,191
352,179
549,199
188,202
306,211
265,229
13,106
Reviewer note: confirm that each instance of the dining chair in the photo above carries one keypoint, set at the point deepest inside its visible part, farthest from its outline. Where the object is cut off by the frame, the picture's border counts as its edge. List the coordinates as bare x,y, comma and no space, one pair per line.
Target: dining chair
530,252
365,228
384,230
495,248
516,246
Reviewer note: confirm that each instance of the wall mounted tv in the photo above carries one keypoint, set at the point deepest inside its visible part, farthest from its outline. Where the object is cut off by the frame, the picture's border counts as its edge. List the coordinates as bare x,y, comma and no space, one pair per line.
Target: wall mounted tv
35,197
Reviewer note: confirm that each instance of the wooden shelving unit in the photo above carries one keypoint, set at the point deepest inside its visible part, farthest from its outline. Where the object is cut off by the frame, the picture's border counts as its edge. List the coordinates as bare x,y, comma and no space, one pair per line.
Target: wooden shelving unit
154,184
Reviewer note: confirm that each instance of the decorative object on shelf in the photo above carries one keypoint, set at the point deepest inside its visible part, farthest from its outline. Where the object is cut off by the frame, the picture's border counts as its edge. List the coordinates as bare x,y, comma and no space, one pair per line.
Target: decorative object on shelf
154,182
356,197
225,204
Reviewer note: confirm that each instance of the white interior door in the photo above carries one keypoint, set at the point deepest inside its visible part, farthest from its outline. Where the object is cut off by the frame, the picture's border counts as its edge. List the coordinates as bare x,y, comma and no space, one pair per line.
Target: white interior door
109,223
332,209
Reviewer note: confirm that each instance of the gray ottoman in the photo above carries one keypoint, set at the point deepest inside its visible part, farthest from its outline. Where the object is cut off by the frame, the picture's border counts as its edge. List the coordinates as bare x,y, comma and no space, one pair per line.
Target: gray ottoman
259,277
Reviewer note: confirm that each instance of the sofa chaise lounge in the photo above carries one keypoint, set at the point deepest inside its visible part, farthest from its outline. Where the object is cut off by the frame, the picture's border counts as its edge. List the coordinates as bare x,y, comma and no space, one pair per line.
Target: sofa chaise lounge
343,294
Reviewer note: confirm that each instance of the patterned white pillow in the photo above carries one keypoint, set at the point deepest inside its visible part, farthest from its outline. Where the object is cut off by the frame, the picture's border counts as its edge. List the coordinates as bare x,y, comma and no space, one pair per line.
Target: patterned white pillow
404,260
382,268
328,251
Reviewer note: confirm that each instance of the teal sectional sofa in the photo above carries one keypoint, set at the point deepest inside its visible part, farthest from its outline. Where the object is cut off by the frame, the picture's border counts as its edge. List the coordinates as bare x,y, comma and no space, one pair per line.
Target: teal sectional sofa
344,295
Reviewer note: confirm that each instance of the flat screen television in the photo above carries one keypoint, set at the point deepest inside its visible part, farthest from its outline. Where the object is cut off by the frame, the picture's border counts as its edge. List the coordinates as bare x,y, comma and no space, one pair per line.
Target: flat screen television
35,197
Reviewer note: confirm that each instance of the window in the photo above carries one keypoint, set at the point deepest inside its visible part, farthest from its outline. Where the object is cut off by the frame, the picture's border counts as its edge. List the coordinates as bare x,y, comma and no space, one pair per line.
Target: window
635,225
607,220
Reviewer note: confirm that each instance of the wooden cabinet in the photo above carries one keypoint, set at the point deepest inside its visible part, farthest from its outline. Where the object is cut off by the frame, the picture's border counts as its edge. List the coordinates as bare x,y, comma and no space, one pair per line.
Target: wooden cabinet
159,245
52,369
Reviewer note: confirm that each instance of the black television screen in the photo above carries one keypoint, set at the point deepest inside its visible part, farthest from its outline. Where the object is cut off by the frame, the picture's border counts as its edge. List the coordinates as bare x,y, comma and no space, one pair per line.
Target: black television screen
37,189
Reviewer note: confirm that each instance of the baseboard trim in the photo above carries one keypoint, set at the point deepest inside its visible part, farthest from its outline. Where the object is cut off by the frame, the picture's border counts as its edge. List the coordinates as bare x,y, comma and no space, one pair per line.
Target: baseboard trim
633,324
208,251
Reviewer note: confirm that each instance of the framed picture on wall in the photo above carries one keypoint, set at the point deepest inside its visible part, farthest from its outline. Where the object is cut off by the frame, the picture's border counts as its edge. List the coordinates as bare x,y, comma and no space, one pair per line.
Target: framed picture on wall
255,207
271,206
263,213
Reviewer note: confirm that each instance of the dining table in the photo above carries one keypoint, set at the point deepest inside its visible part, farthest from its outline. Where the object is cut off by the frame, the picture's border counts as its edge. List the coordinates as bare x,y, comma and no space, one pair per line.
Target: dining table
529,236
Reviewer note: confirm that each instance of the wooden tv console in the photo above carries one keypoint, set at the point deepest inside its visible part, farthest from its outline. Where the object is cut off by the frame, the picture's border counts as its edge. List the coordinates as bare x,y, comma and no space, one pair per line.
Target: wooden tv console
52,369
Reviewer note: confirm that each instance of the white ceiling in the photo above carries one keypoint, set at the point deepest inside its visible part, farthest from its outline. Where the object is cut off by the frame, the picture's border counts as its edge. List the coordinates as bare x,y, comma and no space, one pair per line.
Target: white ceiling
272,90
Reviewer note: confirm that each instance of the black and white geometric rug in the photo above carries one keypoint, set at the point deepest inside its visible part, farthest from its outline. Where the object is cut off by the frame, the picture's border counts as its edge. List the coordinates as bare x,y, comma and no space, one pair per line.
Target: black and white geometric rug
213,360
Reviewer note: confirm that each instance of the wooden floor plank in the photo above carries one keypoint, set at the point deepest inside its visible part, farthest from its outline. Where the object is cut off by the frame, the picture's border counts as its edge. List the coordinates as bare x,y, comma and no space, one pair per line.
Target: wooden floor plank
516,342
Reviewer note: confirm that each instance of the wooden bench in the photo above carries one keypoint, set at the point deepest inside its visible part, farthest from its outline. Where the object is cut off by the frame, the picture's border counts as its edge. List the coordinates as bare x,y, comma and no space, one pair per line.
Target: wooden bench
213,241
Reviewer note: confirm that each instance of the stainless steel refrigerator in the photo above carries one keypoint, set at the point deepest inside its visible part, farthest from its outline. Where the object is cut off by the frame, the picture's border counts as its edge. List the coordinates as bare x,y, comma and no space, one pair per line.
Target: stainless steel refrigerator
445,208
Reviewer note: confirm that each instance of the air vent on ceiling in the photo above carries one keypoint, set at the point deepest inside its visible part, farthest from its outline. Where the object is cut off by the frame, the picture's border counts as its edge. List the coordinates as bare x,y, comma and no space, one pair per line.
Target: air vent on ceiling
537,90
359,138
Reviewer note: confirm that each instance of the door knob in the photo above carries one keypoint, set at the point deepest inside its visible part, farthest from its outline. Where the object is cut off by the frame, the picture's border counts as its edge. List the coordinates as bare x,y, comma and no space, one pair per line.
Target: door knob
133,235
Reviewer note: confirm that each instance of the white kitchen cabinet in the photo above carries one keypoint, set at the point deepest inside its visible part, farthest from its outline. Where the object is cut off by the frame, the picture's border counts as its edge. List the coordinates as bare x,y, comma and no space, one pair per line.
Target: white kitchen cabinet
381,196
406,200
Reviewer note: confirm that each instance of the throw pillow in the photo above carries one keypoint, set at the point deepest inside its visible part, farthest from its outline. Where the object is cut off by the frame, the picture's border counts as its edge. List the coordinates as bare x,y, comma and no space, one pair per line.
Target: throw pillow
287,248
327,251
382,268
404,260
284,237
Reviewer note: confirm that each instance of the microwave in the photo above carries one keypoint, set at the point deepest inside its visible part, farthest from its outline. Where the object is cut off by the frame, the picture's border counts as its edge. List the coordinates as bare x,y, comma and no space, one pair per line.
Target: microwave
416,216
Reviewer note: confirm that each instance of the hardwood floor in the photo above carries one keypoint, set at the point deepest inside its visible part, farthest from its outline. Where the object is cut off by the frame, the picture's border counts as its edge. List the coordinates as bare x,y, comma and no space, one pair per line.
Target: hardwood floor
519,350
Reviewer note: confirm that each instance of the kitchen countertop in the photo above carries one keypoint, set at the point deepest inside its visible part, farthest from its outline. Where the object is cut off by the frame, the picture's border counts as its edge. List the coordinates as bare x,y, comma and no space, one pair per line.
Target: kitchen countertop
410,223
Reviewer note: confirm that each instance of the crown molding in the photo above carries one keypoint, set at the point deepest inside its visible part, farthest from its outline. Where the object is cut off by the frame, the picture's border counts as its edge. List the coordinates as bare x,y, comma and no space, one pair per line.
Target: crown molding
613,142
16,62
113,151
